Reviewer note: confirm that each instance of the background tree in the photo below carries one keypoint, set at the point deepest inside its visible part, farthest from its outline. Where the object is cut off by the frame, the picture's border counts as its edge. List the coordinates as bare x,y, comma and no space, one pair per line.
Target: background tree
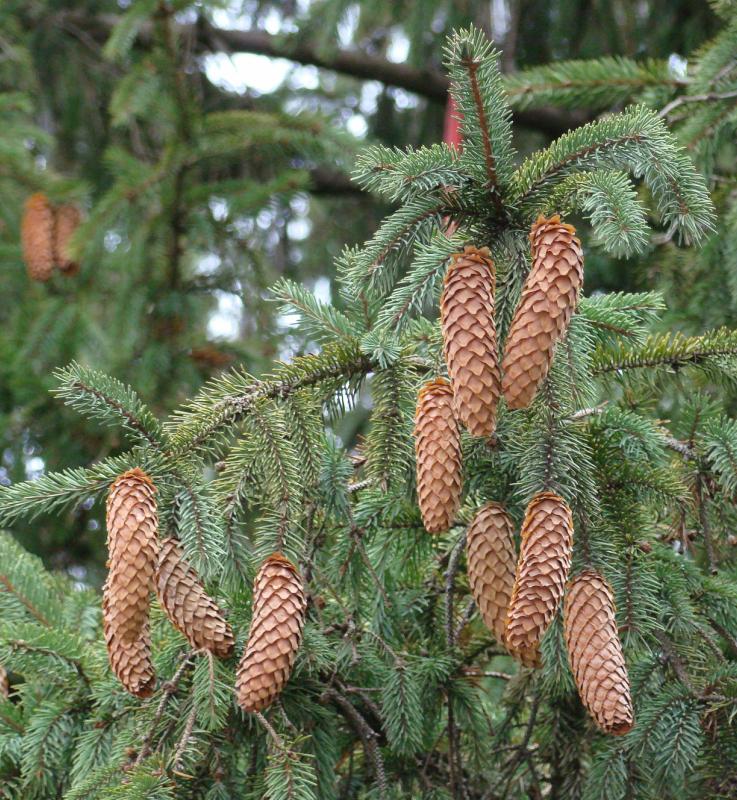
201,185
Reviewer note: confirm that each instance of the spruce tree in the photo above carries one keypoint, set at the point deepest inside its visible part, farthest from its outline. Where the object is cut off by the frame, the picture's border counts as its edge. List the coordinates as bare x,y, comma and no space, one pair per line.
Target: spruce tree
382,679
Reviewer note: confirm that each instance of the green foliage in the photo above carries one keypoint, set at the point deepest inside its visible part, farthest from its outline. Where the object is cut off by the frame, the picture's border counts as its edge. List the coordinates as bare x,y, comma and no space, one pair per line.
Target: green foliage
398,689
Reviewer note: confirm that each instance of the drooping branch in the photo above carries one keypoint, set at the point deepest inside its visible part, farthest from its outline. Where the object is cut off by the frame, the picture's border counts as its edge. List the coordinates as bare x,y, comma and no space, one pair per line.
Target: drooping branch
426,82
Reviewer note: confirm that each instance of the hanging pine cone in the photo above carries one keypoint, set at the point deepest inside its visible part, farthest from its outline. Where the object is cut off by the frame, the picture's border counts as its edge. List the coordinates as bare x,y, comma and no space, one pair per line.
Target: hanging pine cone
4,683
595,652
548,300
469,336
438,451
542,569
37,237
279,605
132,521
188,606
67,219
490,559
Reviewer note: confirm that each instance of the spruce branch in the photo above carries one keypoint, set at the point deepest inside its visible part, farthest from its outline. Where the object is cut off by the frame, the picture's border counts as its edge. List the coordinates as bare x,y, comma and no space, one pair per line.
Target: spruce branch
231,398
594,84
57,490
635,141
478,91
367,734
99,396
665,350
169,689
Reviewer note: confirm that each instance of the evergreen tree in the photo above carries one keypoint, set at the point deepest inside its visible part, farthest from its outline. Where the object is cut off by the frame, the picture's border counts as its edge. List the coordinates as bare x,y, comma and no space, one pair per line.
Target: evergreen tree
399,689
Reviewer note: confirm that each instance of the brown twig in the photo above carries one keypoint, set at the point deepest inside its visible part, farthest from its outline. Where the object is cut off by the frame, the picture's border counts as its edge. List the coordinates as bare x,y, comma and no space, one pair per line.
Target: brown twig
169,689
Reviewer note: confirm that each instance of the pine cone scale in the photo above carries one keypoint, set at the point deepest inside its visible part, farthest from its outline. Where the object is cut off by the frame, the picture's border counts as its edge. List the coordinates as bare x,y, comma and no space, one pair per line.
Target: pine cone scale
275,634
188,606
469,336
542,569
547,302
595,653
132,522
37,237
438,454
490,558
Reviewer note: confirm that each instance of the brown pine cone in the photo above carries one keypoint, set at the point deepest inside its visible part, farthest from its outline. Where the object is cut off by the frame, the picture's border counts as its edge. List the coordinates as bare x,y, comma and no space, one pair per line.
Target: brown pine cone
279,605
542,569
67,219
190,609
4,683
548,300
469,336
37,237
438,452
595,652
490,559
132,521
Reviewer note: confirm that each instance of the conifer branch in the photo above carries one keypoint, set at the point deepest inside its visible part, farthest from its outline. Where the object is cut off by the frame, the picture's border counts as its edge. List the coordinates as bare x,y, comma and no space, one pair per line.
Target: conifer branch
367,734
429,83
668,350
229,400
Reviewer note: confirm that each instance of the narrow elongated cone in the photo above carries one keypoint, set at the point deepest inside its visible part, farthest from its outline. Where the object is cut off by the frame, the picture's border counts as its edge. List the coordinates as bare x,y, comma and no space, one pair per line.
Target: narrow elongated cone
595,652
469,337
4,683
188,606
549,297
542,569
132,521
490,559
67,219
279,605
37,237
438,452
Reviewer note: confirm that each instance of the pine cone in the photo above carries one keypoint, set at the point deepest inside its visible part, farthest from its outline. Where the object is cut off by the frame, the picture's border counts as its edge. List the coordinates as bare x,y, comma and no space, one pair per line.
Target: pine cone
67,221
37,237
438,451
188,606
542,569
596,654
549,297
490,559
276,632
132,521
469,335
4,683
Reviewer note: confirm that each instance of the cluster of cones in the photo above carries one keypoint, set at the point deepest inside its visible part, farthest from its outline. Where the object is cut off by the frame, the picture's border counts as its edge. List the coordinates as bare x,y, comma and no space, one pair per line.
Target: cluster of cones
477,379
518,597
46,231
139,565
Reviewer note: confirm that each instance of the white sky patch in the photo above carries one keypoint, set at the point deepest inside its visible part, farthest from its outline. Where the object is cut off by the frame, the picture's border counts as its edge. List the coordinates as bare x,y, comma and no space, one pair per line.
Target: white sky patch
243,71
34,467
500,19
321,289
208,265
370,92
677,66
398,48
112,241
232,16
225,322
348,26
307,77
404,99
218,208
357,126
299,229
